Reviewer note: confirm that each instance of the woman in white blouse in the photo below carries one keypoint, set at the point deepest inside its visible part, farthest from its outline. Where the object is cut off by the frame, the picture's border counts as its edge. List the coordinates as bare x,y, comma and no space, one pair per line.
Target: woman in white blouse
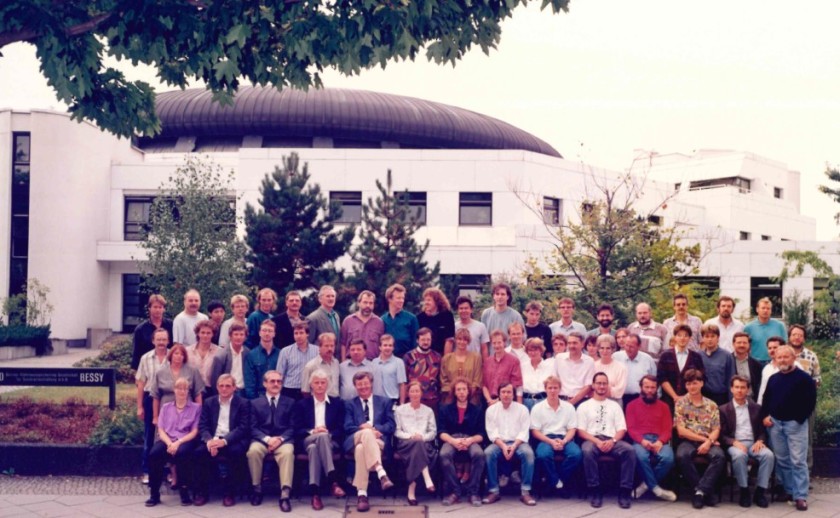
416,432
616,371
534,372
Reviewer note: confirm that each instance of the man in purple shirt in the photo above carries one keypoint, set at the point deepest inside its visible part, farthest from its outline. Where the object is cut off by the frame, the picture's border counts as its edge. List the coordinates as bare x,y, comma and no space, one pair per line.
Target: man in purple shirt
364,325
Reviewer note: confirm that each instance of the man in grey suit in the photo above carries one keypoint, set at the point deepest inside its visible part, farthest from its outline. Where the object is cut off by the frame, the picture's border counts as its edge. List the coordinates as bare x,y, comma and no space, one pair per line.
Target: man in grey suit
232,358
325,319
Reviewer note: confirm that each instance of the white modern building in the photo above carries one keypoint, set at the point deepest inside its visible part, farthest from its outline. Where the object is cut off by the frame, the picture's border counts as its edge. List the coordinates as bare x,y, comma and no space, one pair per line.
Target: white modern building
485,189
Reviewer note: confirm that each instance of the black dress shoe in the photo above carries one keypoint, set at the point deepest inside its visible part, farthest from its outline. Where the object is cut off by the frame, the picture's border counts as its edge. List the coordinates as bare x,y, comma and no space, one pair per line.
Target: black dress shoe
710,499
697,501
362,504
744,500
153,500
285,505
760,498
597,498
624,498
185,497
256,498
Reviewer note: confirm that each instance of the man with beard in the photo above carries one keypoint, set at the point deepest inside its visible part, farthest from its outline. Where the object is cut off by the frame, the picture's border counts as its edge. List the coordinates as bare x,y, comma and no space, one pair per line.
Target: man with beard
364,325
287,319
807,359
727,325
790,398
652,334
422,364
605,314
601,424
649,424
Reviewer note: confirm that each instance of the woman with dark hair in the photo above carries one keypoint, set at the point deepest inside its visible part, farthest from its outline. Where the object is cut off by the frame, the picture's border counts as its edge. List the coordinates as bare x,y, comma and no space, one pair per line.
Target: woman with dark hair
437,316
162,387
674,363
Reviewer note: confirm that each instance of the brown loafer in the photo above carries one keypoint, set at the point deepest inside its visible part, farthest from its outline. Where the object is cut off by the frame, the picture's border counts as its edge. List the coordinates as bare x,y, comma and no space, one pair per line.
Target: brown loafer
491,498
801,504
228,501
385,482
199,500
317,504
337,491
527,499
362,504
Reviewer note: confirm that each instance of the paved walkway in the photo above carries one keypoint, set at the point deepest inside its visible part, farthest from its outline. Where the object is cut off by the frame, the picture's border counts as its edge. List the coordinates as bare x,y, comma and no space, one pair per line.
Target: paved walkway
118,497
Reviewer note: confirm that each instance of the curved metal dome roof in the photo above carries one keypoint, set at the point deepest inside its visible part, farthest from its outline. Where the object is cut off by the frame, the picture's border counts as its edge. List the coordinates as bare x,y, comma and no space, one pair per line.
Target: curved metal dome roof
363,118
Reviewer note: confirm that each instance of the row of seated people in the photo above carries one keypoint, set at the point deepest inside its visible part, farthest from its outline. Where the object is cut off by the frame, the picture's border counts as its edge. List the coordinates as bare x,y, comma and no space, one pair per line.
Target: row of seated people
365,425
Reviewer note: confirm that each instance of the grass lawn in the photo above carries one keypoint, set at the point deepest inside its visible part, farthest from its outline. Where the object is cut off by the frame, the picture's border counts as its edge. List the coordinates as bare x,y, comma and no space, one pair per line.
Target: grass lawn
91,395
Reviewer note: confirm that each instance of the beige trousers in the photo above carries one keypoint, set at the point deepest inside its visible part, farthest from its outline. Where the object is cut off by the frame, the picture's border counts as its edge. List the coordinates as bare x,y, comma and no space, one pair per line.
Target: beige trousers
368,455
284,456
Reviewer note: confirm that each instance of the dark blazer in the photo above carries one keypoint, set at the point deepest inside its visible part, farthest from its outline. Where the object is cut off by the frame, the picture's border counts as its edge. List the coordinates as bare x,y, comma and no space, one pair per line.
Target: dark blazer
755,374
727,422
383,419
222,363
473,420
285,334
669,370
239,421
261,423
304,413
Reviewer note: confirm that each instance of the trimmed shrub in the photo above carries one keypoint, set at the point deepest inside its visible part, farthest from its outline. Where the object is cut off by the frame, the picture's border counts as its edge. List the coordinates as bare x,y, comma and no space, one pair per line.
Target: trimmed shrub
116,354
21,334
118,427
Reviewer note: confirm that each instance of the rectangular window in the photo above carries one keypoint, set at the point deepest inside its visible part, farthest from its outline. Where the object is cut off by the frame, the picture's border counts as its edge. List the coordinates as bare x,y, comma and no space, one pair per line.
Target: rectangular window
744,236
777,192
744,185
351,205
416,202
761,287
19,212
466,285
765,238
653,219
551,210
475,208
134,298
137,214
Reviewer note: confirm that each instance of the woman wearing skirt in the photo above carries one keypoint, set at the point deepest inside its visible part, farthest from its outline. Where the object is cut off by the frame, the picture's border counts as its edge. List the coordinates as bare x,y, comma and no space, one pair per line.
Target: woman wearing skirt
416,431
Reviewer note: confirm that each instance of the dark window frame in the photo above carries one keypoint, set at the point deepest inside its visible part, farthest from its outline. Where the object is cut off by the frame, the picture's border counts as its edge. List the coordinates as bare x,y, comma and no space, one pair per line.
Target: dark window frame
347,199
475,200
552,210
417,201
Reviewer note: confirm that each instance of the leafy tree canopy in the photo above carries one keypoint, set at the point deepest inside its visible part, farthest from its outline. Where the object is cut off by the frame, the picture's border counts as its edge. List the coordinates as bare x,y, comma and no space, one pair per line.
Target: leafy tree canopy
219,42
291,236
191,241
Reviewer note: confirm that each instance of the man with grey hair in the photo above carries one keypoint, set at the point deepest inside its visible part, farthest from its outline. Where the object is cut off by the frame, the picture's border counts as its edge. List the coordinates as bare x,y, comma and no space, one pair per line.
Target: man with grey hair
325,319
651,334
325,361
364,325
319,427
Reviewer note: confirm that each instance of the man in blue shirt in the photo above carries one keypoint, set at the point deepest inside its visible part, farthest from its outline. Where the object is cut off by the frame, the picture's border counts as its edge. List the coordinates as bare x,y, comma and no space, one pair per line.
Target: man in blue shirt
399,323
762,328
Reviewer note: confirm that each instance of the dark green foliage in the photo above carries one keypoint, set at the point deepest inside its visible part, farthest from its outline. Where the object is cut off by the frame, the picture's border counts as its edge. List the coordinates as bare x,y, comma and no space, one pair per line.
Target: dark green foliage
292,240
387,252
827,426
116,354
35,336
220,42
121,426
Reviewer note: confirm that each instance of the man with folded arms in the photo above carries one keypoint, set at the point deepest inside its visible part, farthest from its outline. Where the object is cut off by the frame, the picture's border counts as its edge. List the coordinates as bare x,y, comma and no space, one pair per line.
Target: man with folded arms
743,434
318,431
223,432
272,433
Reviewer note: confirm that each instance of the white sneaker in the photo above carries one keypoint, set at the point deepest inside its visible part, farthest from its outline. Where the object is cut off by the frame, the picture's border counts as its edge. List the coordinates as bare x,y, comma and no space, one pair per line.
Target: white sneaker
145,479
641,489
664,494
503,480
559,484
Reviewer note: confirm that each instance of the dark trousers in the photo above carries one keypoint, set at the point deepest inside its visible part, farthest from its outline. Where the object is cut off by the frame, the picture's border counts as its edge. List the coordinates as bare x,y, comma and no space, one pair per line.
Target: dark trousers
621,451
229,463
685,460
449,455
182,460
148,431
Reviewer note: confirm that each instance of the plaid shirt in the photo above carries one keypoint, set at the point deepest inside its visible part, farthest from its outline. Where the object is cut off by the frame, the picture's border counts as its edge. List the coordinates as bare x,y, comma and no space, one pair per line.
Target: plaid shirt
810,363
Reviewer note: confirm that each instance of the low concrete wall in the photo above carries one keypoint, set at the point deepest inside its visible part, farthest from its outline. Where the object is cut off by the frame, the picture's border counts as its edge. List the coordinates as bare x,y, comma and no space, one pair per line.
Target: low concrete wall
16,352
70,460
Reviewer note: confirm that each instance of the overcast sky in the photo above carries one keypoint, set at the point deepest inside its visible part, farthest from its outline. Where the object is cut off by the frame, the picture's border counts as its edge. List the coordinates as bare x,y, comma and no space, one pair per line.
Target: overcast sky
612,76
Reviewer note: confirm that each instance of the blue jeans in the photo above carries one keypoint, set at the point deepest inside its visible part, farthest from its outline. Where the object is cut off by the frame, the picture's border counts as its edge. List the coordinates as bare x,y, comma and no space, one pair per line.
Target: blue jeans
572,457
653,467
740,466
790,442
493,454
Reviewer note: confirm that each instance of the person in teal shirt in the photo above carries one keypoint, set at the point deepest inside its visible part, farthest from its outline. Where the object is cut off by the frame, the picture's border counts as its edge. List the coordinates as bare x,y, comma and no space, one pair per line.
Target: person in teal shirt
399,323
763,328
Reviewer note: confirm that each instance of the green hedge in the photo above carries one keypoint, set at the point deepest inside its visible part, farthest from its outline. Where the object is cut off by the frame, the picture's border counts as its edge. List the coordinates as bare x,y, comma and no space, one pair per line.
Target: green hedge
35,336
116,354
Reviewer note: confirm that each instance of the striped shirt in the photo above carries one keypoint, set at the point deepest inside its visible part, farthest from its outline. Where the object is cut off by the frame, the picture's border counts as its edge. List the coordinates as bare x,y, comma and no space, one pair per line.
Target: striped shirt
148,367
291,362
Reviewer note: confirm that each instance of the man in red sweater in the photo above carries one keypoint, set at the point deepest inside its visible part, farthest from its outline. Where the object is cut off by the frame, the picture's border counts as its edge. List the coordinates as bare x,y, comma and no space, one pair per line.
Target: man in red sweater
649,424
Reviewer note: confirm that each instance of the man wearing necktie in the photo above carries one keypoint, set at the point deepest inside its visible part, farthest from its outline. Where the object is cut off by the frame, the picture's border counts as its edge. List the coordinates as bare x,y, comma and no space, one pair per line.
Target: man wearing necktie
325,319
272,432
368,427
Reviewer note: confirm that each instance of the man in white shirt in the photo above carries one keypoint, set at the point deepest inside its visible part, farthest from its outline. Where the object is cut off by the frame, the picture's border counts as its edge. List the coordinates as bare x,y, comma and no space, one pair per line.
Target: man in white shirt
325,361
639,364
516,335
653,335
727,325
566,325
553,424
183,327
602,426
479,337
575,370
508,425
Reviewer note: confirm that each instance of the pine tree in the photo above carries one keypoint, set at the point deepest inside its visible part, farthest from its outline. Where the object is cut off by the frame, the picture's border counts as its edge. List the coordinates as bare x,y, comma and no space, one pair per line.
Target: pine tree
387,252
292,240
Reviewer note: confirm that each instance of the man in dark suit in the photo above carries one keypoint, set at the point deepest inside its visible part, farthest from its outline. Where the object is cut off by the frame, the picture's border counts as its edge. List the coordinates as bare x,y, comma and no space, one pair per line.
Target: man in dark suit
315,417
232,359
223,439
743,433
368,427
272,433
746,365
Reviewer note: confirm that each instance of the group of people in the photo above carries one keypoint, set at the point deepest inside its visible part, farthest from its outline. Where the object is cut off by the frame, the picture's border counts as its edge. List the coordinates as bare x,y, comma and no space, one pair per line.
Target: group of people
470,396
